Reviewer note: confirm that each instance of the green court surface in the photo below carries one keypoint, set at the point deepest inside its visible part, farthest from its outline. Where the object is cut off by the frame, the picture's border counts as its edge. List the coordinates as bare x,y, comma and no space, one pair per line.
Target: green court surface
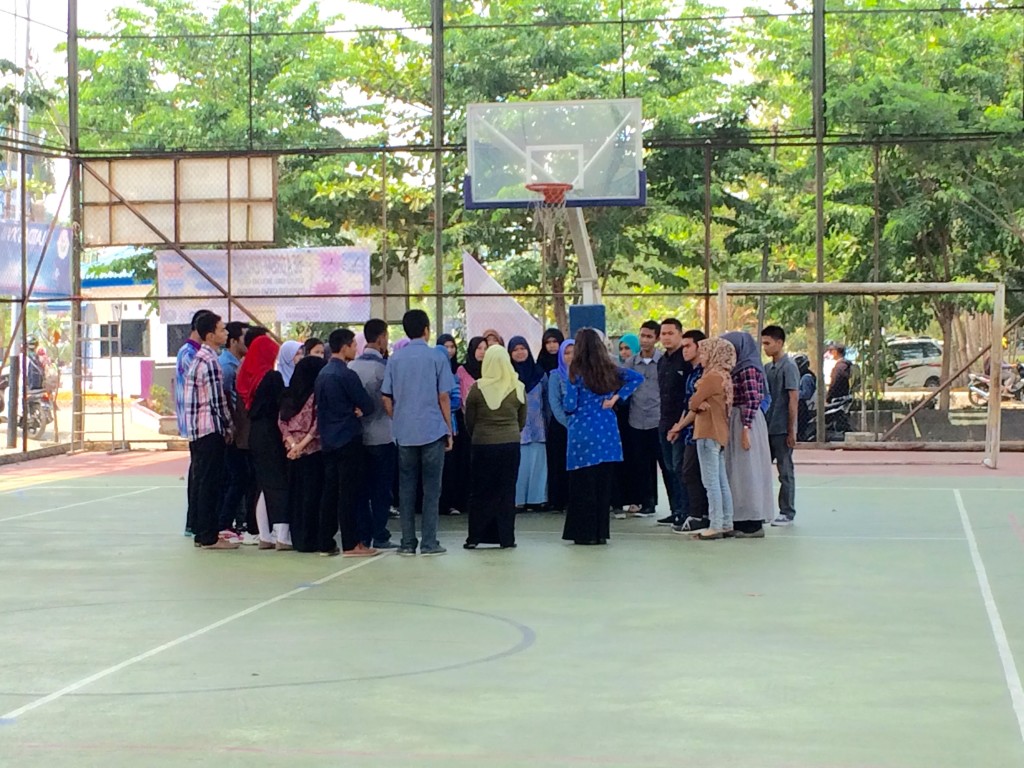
879,632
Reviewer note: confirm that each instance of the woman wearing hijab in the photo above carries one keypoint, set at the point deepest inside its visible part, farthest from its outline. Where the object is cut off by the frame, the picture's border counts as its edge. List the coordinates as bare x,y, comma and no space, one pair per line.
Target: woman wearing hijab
623,485
472,368
261,388
493,338
595,385
558,435
453,478
297,422
549,345
532,484
495,416
289,356
748,459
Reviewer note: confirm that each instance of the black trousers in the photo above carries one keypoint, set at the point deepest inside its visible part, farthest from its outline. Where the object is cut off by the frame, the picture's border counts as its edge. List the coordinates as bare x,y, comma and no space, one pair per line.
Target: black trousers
694,485
305,494
343,477
492,494
644,459
190,491
590,492
237,471
558,479
207,476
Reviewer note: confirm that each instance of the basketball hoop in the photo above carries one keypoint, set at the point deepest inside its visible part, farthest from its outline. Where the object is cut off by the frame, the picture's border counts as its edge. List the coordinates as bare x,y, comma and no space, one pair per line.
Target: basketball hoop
553,191
549,210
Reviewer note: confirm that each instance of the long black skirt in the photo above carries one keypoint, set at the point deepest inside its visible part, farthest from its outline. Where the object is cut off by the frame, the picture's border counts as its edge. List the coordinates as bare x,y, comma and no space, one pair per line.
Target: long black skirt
558,479
305,491
586,518
455,479
492,494
271,467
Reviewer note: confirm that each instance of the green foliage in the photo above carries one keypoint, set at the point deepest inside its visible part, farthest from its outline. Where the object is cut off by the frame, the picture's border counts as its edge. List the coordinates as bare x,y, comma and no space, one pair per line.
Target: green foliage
160,401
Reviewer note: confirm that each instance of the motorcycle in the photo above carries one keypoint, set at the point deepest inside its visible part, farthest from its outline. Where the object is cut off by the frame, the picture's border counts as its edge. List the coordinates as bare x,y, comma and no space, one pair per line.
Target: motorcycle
4,384
1012,385
837,420
38,413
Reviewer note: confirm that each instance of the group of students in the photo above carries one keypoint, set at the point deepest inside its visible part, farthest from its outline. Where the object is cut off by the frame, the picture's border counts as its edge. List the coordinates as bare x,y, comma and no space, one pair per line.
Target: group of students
293,443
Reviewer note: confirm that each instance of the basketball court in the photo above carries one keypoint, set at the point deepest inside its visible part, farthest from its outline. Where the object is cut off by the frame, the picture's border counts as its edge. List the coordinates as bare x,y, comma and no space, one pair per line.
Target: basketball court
880,631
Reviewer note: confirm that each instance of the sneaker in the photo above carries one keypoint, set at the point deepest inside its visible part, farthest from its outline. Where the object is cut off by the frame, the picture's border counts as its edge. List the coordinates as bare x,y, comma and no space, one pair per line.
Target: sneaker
434,551
230,535
393,512
188,532
360,550
333,553
670,520
251,540
454,512
633,509
782,521
384,545
643,512
693,524
283,547
406,551
223,544
618,514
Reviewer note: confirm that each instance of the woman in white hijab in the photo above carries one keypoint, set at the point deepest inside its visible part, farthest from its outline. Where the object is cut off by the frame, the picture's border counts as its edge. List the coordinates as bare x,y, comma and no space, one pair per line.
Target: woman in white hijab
495,416
289,356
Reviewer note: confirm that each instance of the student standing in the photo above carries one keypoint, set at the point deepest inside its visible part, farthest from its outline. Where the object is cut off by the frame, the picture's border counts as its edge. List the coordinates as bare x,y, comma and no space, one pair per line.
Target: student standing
236,458
289,356
532,483
495,416
298,425
558,435
643,455
379,448
696,495
416,392
709,414
261,388
673,371
784,387
186,355
748,457
595,385
208,427
341,402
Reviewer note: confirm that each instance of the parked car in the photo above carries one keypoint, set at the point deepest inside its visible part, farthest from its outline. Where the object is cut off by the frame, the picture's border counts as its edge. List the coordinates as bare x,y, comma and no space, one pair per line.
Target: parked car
918,363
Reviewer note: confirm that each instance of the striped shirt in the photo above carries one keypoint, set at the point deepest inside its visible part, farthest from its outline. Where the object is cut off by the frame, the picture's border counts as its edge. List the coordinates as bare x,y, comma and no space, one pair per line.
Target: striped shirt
206,407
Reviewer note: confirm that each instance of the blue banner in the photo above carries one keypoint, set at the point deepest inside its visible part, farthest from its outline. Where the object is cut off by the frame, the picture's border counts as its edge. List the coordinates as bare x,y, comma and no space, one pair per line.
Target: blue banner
54,279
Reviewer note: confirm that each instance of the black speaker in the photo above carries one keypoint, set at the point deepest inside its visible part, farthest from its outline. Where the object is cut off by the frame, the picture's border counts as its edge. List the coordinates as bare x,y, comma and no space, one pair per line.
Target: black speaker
586,316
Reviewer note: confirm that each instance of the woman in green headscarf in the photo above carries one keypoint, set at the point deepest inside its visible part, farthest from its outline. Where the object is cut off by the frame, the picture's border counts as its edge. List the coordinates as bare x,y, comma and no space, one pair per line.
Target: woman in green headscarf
622,483
495,416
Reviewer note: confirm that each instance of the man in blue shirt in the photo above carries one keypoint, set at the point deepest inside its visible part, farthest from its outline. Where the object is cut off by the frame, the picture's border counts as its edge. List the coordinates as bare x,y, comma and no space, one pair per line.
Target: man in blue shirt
341,402
416,391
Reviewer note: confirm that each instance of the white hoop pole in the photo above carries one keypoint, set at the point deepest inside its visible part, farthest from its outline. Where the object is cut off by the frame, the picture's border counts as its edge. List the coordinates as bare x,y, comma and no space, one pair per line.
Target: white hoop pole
995,383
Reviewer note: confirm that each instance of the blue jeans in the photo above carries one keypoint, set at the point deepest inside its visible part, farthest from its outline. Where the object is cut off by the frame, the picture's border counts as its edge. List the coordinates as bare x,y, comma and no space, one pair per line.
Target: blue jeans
416,462
375,499
712,472
672,453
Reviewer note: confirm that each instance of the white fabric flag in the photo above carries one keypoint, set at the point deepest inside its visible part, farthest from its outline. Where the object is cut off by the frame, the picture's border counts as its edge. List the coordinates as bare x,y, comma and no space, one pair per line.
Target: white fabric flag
500,312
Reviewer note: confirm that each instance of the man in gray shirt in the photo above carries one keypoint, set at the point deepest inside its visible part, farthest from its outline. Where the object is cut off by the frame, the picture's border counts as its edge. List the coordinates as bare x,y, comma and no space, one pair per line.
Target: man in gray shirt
381,453
416,389
644,452
784,387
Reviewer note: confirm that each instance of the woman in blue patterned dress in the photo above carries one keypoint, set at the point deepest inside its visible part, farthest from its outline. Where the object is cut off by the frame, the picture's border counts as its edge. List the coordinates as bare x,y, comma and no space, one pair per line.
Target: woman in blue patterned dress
595,385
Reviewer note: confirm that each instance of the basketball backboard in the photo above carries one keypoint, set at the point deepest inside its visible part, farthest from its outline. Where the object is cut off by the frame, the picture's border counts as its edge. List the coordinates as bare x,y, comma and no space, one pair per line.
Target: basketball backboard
595,145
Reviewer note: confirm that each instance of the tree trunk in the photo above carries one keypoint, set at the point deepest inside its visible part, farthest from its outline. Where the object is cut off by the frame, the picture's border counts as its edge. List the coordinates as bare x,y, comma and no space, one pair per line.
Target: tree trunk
944,313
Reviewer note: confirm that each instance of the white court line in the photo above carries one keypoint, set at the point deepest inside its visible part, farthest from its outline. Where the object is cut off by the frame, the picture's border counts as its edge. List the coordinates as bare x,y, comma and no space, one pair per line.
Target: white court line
85,681
76,504
1013,682
82,488
666,534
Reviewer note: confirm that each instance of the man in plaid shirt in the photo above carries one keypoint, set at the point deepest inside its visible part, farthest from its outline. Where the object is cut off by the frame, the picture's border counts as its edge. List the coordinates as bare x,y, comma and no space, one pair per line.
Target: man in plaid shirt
208,423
